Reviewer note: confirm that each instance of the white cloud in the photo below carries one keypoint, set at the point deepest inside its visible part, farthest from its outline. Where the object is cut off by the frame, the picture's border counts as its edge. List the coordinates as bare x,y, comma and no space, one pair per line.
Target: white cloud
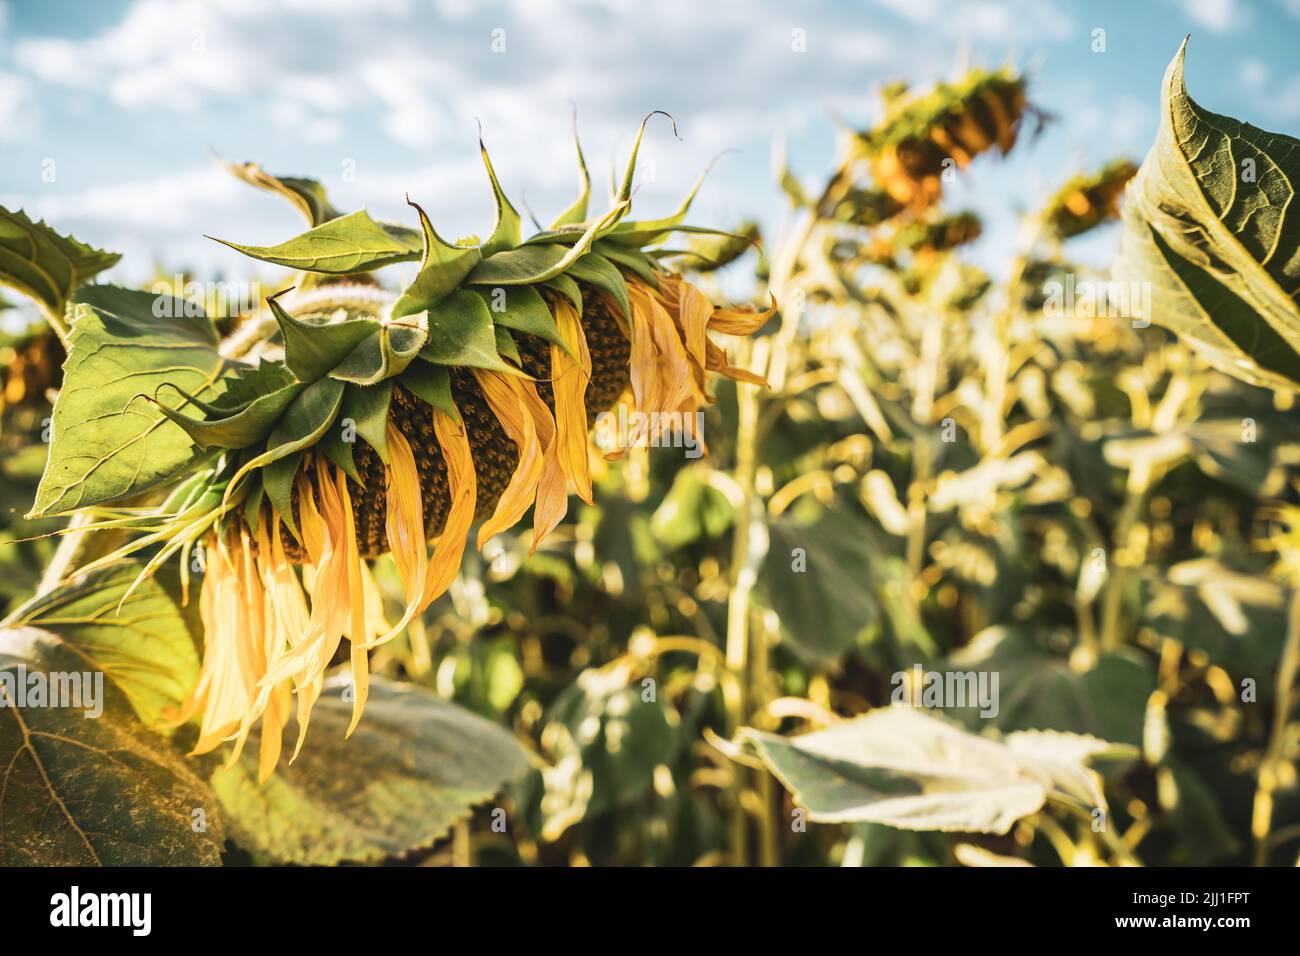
1220,16
1253,75
1275,97
15,113
1009,22
147,203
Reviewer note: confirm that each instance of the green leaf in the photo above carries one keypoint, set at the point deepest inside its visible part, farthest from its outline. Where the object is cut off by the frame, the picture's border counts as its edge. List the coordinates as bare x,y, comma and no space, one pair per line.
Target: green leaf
1040,689
41,263
351,243
313,348
692,509
367,407
531,264
568,288
243,415
277,483
442,270
1233,612
604,741
604,275
145,644
506,346
634,260
905,769
623,195
306,418
385,353
649,231
303,424
107,445
433,384
812,579
461,333
81,789
505,234
1212,224
522,308
415,765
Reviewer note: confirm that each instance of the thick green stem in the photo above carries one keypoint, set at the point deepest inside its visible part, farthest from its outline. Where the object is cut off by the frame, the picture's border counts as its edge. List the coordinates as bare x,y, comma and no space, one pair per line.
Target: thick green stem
744,573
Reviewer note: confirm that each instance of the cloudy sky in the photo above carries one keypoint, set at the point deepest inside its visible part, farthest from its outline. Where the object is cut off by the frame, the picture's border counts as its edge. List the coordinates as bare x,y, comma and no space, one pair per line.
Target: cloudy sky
109,109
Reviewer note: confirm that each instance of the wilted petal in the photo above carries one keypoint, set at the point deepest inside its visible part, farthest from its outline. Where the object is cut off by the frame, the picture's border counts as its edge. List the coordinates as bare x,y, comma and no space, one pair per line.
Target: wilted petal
569,379
505,396
463,487
741,321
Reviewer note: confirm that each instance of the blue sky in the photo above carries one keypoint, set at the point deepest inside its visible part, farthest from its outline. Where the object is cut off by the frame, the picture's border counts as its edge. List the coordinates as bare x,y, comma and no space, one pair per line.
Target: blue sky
127,97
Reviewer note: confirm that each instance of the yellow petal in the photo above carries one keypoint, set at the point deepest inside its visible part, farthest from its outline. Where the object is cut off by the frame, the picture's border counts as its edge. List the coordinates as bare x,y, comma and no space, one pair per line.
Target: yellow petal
404,529
310,523
505,396
741,321
552,486
691,310
357,605
673,388
333,610
232,655
462,484
717,361
569,379
254,646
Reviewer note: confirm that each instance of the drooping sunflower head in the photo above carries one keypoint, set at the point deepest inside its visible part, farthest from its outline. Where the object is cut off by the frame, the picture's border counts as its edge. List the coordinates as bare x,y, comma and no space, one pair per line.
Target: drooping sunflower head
924,135
1088,199
351,423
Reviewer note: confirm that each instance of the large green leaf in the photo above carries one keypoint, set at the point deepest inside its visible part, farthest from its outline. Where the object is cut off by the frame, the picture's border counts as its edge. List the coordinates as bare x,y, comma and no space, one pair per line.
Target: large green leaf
108,444
144,645
90,785
1212,224
1041,689
813,578
351,243
415,765
906,769
41,263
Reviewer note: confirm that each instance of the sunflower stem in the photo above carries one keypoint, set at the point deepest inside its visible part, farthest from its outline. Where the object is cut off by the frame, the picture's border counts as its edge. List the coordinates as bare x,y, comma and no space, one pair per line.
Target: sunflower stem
737,649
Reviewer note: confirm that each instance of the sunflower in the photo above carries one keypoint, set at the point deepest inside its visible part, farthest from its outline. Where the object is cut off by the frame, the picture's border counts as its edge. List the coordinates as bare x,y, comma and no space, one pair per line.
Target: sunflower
1088,199
356,423
922,135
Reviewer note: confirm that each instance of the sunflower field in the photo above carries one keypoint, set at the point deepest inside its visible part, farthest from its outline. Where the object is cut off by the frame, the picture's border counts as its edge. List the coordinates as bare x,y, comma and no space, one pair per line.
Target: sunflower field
626,541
